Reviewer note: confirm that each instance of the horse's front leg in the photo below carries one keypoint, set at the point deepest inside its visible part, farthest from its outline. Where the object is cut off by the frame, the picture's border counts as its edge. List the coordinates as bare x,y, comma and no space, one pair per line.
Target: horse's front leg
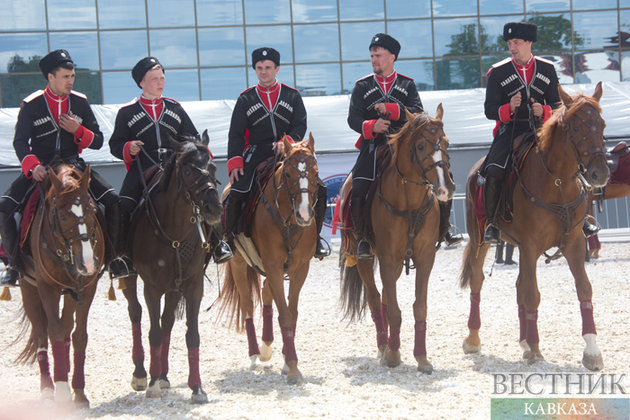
79,344
193,303
378,311
390,271
139,377
528,299
592,358
472,272
152,298
171,300
267,333
275,279
424,265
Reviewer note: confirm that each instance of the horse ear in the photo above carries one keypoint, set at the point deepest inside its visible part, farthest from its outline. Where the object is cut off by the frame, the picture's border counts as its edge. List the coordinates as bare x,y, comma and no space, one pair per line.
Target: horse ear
85,178
54,179
287,145
440,112
310,142
177,146
205,139
566,98
598,92
409,115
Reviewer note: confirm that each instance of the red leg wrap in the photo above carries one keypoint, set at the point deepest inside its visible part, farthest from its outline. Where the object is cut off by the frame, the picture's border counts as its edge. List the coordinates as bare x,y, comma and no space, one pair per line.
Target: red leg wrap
155,369
474,319
68,341
137,352
44,370
532,327
251,337
381,334
420,346
59,356
522,323
394,339
288,338
267,332
194,378
164,349
588,323
385,322
78,377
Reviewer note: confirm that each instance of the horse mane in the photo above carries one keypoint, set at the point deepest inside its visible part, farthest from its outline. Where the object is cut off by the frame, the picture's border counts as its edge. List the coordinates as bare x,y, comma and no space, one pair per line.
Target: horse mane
398,140
69,177
560,116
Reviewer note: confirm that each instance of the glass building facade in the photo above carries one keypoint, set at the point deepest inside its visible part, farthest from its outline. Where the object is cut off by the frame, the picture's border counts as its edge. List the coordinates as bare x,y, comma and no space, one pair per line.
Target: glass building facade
206,45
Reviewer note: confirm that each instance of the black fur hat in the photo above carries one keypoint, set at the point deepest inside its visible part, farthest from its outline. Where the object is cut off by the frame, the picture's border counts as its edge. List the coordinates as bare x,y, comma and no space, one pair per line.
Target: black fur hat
54,59
265,53
387,42
142,67
520,30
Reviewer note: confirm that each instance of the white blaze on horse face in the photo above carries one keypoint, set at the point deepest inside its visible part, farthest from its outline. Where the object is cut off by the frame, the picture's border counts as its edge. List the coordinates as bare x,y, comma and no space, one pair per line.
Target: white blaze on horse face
442,192
304,209
86,250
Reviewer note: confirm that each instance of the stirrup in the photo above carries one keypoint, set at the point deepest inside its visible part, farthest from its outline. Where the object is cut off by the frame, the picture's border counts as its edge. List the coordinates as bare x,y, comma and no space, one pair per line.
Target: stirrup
10,278
590,229
119,268
491,235
453,239
320,251
222,253
364,250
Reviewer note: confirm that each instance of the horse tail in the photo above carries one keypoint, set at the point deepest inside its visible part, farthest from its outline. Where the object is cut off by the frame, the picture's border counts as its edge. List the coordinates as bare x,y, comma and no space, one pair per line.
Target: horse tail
230,302
29,354
353,297
472,225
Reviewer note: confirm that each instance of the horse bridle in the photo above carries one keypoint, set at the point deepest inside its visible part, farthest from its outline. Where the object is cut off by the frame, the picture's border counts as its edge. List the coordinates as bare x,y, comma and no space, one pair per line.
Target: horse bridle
302,174
592,129
436,146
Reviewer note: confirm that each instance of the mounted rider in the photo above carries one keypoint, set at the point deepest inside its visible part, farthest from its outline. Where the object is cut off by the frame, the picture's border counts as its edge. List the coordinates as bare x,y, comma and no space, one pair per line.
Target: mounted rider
518,88
148,121
377,108
262,115
54,126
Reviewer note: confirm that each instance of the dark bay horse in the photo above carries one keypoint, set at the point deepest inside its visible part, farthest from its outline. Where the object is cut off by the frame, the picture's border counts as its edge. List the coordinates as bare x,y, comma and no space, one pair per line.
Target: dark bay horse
405,220
170,254
67,247
549,206
284,234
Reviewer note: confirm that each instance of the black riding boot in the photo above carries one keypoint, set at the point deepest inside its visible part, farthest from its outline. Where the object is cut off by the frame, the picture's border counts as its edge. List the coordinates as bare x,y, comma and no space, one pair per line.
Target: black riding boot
590,229
8,230
499,255
364,250
122,266
509,252
320,213
445,234
233,209
492,194
116,266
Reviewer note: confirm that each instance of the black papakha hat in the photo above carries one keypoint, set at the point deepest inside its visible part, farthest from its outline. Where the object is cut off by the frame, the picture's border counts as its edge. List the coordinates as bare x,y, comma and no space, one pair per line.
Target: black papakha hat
265,53
520,30
142,67
387,42
54,59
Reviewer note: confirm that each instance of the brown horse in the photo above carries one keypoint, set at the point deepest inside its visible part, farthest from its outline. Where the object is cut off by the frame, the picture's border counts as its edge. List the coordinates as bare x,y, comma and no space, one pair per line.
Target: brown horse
284,235
67,247
549,206
170,253
406,207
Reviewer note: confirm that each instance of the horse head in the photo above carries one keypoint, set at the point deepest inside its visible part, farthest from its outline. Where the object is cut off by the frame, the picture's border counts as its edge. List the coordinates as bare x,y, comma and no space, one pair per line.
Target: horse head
299,174
420,149
72,218
581,120
194,170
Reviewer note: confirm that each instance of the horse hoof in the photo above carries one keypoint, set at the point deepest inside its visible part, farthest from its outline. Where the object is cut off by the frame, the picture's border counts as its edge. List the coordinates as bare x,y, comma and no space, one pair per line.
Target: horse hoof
470,349
62,393
82,405
265,352
139,384
199,396
425,369
385,361
255,362
526,355
296,380
534,360
164,383
154,391
593,363
381,351
48,398
285,369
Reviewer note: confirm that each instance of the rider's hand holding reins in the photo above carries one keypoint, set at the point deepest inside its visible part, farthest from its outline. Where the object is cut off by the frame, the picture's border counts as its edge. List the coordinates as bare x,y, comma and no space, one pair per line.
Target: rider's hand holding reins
134,149
537,108
515,102
278,147
234,174
40,173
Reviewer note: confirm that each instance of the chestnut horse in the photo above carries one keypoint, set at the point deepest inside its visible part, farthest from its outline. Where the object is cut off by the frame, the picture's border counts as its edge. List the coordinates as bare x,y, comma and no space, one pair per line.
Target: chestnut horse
67,247
170,253
284,234
405,220
549,206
